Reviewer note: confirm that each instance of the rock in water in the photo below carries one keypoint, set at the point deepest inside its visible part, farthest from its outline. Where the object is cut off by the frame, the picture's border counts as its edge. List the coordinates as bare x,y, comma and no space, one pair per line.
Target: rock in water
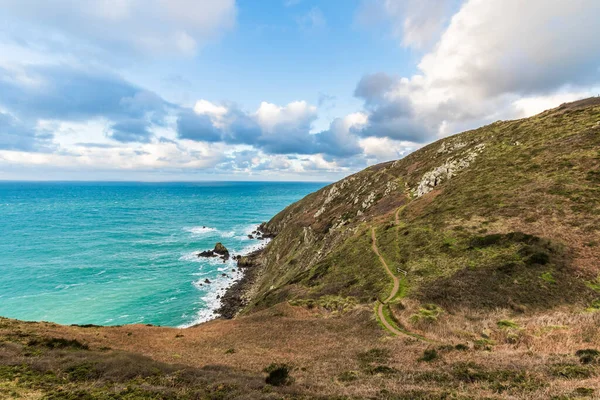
218,251
221,250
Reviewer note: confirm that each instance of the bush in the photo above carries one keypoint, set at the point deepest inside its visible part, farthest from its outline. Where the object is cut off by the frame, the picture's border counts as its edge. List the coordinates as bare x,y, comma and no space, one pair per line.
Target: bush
588,356
279,375
539,257
429,355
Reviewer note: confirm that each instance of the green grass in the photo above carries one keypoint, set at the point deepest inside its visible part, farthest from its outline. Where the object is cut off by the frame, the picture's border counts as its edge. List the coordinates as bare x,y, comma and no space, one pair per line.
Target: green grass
507,324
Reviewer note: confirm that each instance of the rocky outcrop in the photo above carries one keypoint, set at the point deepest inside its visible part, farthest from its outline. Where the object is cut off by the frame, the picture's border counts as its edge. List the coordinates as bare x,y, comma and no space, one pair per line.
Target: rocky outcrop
444,172
262,232
219,251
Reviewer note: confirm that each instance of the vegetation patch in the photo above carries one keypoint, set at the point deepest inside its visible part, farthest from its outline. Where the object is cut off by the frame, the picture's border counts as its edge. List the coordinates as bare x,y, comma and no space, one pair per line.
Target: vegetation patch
512,273
588,356
429,355
334,304
571,371
58,343
507,324
348,376
375,355
428,313
500,381
584,392
279,375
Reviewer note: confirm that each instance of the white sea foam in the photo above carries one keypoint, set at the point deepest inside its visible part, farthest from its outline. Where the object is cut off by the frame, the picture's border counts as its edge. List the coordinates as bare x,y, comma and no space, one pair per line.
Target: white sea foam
66,286
170,299
217,286
199,230
211,292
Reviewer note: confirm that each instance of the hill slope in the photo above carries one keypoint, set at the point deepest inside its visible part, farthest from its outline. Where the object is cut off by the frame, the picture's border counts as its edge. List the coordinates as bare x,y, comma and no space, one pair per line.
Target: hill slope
510,211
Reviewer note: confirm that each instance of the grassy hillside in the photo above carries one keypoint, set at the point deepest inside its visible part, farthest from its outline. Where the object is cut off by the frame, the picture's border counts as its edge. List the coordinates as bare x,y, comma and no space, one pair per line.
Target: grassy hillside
510,211
494,235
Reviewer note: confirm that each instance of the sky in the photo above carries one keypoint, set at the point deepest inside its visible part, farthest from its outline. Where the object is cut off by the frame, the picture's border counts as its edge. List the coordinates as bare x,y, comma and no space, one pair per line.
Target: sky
314,90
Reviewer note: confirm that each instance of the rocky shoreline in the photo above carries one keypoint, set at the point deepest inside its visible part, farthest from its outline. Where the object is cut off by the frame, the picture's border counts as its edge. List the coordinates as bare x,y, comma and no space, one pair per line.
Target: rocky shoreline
235,297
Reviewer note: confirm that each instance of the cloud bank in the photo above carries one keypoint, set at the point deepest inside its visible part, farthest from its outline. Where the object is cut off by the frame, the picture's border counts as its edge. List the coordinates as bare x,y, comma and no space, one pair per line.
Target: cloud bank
478,61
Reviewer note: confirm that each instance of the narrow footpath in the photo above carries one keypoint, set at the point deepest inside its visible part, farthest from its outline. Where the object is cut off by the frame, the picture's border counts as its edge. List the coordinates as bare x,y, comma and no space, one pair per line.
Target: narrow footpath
393,293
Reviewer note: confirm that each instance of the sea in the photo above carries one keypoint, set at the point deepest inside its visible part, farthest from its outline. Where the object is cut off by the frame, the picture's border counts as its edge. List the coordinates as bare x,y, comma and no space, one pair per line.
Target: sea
126,253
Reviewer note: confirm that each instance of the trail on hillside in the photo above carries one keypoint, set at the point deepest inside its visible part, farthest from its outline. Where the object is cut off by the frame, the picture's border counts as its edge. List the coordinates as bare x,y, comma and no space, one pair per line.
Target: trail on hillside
394,291
395,279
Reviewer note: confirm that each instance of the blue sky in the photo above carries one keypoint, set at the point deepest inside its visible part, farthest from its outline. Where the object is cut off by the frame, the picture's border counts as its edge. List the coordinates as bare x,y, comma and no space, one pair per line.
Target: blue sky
161,90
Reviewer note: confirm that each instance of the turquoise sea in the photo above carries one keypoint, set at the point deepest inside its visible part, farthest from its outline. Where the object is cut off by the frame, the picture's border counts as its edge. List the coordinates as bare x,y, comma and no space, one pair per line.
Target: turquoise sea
123,253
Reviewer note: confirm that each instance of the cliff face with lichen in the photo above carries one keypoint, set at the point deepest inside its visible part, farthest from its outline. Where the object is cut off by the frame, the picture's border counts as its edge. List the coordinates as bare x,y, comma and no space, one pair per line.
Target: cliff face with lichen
540,176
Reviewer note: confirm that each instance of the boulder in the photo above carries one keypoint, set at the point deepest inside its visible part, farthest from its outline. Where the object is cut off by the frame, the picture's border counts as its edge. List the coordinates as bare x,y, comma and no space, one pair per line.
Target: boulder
244,262
218,251
221,250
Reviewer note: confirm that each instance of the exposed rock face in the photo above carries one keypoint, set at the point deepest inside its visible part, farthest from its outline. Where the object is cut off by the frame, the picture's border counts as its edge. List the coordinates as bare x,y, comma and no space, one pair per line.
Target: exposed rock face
265,232
450,168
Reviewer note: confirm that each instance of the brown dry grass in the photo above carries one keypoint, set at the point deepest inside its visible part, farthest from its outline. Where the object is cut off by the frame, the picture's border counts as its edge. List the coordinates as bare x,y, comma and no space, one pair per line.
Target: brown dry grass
326,348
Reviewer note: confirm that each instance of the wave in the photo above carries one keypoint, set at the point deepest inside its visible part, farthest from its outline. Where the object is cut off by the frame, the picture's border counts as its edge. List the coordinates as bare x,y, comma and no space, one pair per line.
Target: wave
199,230
67,286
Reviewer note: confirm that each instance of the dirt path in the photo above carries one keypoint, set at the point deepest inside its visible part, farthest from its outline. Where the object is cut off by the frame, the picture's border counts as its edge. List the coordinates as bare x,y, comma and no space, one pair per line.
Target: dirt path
395,279
394,291
380,307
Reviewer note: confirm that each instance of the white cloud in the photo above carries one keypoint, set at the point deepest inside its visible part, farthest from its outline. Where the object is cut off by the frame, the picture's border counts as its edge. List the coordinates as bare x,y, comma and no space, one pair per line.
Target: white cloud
386,149
149,26
271,116
497,59
205,107
150,156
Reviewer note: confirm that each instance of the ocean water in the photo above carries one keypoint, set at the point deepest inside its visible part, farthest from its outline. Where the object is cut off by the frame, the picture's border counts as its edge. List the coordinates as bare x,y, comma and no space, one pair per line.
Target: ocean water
123,253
